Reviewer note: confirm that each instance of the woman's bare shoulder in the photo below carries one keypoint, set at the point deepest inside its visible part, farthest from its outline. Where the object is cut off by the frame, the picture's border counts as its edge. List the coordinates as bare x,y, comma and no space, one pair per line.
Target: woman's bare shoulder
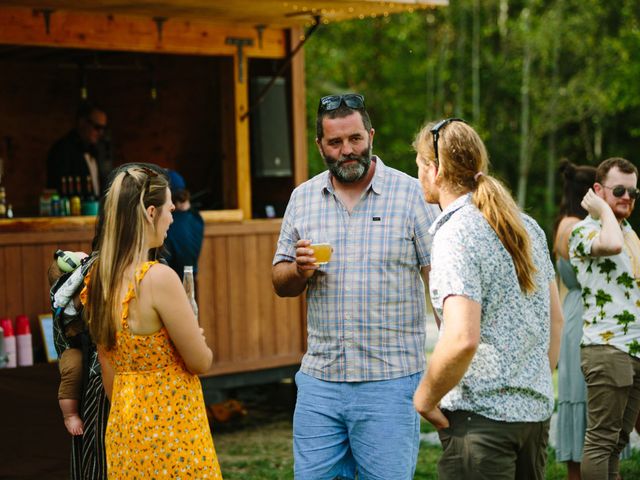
160,275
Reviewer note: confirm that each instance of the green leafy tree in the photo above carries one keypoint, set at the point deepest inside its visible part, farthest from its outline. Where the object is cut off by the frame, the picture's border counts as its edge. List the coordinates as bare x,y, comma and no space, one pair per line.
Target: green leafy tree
468,59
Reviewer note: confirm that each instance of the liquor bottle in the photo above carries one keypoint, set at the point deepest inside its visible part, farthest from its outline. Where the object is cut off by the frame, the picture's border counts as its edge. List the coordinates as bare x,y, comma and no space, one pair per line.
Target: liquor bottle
3,202
65,206
78,192
79,186
75,204
90,197
189,287
90,202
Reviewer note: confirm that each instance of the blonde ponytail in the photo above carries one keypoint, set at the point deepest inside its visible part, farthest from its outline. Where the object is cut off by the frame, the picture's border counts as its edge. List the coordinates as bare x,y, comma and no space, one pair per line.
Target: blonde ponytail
502,213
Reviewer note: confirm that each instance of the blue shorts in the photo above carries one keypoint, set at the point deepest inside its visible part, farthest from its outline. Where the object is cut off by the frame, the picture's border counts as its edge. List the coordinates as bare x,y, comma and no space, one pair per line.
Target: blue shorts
341,427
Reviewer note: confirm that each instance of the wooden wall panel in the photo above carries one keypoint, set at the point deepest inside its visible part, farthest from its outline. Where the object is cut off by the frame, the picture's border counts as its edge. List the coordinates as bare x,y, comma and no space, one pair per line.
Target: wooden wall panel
252,293
266,299
221,316
246,324
14,281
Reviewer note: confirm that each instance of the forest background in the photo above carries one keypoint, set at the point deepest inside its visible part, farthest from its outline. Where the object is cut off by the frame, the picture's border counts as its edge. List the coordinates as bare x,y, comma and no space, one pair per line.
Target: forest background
540,81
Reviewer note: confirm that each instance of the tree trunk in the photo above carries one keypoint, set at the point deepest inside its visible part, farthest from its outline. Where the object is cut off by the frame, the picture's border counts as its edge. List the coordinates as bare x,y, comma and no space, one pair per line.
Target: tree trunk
460,61
550,193
431,41
440,75
503,17
525,154
586,141
475,64
597,139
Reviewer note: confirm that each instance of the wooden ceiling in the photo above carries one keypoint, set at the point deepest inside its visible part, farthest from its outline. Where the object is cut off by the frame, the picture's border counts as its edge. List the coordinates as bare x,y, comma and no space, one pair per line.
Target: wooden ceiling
273,13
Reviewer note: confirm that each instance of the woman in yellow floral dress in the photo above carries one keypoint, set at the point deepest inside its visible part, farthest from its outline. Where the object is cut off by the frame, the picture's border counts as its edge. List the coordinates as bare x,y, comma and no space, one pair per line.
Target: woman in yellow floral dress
151,348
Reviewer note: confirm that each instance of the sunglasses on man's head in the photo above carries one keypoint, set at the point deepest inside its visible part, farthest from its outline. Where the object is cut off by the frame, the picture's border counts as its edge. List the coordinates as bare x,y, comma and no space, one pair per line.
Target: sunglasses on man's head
332,102
619,190
435,131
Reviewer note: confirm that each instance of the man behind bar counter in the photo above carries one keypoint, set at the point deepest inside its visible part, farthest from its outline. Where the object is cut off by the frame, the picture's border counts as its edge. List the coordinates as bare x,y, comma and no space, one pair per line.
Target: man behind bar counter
83,152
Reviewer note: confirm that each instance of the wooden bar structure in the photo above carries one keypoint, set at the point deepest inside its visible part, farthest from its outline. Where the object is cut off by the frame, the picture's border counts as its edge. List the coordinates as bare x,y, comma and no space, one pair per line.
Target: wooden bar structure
249,328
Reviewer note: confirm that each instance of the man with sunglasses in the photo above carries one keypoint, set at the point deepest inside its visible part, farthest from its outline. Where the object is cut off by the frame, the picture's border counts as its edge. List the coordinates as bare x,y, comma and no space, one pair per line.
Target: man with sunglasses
82,153
605,251
366,307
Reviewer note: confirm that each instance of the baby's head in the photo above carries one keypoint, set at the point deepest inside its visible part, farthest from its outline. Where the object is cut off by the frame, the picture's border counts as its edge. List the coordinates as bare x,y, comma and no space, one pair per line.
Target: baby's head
64,261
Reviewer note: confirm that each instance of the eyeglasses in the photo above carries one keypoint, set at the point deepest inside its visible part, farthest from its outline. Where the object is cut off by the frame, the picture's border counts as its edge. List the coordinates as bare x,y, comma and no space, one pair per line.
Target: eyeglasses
435,131
332,102
619,190
98,127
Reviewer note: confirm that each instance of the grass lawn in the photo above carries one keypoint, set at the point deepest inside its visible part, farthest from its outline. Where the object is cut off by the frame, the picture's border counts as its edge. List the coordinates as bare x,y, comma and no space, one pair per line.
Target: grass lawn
259,446
263,452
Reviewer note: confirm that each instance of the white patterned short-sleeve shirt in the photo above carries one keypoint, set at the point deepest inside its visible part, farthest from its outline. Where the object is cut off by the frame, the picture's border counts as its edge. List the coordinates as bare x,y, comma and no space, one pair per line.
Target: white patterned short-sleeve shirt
509,378
610,293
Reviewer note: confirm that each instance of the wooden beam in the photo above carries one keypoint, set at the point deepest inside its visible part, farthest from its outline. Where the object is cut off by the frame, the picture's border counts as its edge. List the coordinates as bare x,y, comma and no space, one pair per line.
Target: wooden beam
243,150
98,31
299,110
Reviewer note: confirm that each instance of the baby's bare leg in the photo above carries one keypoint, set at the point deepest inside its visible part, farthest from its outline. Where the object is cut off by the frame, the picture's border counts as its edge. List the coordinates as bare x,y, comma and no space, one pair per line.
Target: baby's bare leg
72,420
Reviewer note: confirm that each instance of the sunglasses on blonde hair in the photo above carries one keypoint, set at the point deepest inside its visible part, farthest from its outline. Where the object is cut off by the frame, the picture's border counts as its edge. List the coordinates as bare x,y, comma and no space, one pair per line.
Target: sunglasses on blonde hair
435,132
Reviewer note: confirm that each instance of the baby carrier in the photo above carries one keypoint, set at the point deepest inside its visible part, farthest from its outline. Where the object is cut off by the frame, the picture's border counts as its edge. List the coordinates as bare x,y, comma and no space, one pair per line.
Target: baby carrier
88,456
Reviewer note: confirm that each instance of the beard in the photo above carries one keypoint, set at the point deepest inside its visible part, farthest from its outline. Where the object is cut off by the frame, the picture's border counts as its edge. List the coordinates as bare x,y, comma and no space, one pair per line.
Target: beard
627,210
431,195
352,171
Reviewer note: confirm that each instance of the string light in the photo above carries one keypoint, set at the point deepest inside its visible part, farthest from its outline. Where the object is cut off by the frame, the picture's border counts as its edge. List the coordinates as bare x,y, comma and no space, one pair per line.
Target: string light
374,10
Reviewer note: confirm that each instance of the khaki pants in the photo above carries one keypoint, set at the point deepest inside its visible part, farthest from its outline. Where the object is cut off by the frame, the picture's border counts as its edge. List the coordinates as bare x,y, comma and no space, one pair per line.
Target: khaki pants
613,403
477,448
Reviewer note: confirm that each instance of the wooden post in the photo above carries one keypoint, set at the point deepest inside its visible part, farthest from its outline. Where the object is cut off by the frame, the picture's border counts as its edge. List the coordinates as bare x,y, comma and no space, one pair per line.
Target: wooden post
243,152
299,111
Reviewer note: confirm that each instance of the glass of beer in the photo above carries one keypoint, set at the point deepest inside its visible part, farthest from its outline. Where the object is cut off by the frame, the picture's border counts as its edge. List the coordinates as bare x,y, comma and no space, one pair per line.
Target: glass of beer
322,252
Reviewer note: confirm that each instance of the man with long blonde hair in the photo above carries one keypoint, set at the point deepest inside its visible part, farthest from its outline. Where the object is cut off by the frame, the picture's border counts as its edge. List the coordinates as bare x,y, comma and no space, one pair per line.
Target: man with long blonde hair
488,386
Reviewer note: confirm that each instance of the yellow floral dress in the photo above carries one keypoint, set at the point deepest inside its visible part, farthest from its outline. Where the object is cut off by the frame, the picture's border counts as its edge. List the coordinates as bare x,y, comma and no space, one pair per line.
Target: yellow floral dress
158,424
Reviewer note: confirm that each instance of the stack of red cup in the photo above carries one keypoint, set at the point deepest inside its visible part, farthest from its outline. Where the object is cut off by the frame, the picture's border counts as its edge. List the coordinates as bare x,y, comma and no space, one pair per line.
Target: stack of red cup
23,341
9,342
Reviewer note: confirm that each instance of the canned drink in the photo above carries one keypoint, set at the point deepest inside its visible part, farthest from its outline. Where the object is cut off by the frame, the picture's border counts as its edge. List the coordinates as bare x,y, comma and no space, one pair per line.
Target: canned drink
55,206
75,206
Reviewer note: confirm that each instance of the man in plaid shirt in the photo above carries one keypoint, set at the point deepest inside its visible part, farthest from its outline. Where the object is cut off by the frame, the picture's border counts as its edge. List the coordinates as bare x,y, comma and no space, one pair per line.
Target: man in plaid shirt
366,316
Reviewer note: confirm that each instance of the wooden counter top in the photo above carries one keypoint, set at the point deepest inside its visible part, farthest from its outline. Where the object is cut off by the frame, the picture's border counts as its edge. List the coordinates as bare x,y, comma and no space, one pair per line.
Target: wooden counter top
58,224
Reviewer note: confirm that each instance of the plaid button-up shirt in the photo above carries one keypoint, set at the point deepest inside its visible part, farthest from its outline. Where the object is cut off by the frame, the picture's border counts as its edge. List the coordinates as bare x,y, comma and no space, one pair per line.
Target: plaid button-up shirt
366,317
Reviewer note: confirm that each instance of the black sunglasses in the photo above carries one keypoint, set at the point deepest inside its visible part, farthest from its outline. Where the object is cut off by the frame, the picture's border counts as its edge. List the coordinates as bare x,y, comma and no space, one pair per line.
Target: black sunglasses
332,102
435,131
618,191
97,126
